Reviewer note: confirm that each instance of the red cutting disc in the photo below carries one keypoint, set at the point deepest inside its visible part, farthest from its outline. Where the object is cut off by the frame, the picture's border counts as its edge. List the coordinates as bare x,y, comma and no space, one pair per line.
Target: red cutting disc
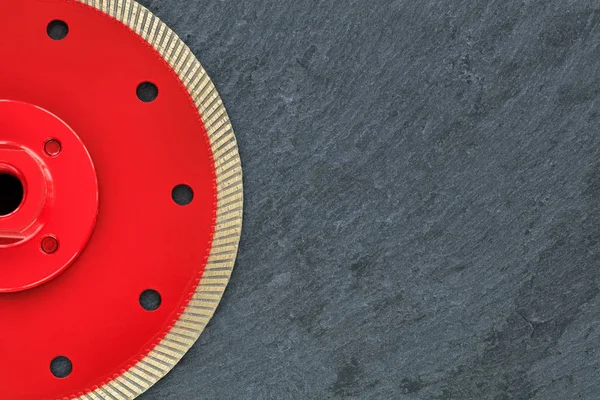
120,199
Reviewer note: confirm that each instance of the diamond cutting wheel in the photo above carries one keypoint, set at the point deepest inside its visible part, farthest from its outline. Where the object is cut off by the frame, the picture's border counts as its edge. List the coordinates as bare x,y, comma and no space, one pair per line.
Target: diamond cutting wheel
120,199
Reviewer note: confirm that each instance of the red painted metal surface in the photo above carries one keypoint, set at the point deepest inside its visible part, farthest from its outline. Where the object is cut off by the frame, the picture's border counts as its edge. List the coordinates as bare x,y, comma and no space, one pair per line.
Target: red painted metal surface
90,311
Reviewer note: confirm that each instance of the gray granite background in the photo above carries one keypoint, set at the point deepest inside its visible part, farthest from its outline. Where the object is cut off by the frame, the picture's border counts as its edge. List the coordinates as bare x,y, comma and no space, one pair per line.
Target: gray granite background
422,199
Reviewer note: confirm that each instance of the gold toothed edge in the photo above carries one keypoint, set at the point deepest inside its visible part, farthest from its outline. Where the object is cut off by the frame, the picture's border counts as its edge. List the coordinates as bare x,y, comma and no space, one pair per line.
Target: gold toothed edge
186,331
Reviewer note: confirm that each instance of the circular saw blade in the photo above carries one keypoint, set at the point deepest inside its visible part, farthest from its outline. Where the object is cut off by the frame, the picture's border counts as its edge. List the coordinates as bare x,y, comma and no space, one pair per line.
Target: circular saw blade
133,297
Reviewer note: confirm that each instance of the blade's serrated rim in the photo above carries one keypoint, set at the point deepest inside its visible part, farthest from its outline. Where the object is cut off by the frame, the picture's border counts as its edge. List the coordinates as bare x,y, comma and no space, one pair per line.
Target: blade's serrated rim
186,331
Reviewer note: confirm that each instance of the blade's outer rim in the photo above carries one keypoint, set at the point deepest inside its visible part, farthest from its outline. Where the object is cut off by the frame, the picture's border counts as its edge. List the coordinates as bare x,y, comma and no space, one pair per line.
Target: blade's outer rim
183,335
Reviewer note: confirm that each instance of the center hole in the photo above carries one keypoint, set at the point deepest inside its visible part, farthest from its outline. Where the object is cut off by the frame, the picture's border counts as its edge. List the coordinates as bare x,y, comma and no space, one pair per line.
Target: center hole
11,193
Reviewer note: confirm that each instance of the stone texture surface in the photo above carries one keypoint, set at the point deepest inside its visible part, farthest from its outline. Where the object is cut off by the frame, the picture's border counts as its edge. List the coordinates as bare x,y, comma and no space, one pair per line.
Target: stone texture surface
422,199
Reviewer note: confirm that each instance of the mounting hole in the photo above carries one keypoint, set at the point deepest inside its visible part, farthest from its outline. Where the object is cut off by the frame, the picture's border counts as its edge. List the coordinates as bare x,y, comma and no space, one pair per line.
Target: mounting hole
61,367
11,193
49,245
150,300
57,30
147,92
52,148
182,195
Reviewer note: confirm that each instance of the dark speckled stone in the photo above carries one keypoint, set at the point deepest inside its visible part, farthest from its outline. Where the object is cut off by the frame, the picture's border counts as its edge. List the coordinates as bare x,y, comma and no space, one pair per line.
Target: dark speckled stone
422,199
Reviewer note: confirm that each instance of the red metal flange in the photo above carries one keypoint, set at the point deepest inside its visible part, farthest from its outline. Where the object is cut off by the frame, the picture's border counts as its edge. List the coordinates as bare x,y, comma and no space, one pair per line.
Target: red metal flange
120,199
56,199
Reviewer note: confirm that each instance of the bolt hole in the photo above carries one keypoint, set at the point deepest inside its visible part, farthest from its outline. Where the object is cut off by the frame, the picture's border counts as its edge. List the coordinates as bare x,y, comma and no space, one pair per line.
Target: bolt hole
147,92
61,367
52,147
150,300
57,30
182,195
11,194
49,245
